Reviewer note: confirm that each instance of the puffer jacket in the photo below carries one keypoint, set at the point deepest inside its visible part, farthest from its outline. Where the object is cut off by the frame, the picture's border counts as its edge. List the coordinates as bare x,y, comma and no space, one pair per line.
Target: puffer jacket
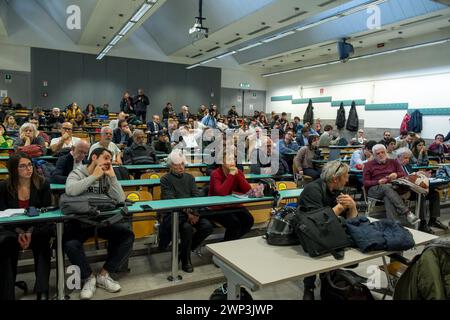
384,234
340,118
353,121
415,123
428,276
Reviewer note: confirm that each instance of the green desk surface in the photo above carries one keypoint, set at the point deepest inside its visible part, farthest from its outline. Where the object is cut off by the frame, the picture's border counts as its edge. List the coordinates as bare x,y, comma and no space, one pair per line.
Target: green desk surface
325,161
156,182
424,167
6,158
53,216
3,171
173,204
157,205
162,166
6,149
187,155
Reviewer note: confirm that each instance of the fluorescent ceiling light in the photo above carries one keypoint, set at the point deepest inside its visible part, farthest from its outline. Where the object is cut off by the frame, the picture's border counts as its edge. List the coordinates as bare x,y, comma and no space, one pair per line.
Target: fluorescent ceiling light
363,7
279,36
226,54
206,61
249,46
127,28
193,66
100,56
115,40
140,13
371,55
106,50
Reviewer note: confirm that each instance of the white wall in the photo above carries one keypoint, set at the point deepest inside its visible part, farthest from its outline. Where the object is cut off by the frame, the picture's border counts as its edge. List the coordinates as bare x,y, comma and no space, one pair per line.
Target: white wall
420,77
16,58
232,78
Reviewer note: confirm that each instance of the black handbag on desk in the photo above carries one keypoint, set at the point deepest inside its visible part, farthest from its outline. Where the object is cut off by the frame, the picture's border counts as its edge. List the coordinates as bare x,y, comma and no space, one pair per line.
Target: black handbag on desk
321,232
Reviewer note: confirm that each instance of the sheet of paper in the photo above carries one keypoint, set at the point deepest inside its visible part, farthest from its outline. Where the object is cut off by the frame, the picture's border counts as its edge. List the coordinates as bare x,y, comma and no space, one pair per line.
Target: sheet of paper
11,212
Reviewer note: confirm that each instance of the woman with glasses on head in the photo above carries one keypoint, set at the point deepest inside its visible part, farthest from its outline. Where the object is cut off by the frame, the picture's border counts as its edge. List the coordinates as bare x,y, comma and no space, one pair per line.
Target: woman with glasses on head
24,188
29,142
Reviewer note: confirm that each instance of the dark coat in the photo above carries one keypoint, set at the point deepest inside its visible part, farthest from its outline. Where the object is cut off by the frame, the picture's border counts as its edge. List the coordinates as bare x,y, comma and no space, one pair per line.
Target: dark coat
117,137
141,105
353,121
415,123
139,154
64,166
151,128
309,113
383,234
126,105
340,118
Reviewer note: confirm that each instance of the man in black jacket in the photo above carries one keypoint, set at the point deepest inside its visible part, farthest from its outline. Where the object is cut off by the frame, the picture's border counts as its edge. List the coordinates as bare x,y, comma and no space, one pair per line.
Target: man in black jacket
65,164
179,184
140,103
122,135
139,152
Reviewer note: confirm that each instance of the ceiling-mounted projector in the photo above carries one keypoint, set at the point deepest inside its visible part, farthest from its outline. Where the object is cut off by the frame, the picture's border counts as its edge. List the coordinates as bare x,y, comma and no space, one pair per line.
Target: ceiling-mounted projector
198,30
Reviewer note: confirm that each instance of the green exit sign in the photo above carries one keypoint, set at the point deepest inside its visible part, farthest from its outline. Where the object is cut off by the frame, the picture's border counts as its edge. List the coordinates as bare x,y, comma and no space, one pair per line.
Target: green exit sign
8,77
244,85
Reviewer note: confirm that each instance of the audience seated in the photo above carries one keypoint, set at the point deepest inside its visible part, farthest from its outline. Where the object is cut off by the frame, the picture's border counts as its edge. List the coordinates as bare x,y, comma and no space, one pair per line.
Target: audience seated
302,136
386,137
419,155
327,139
327,192
232,112
162,145
73,160
114,124
175,185
390,145
225,180
359,139
265,160
5,140
24,188
66,141
377,174
303,161
438,147
103,110
122,135
12,129
184,115
28,137
55,117
105,142
288,145
403,157
407,141
97,177
154,127
72,112
41,134
362,156
89,113
139,152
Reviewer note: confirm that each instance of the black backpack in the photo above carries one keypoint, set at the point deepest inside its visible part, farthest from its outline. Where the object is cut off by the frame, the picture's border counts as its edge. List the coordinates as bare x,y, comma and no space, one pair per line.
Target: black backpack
340,285
321,232
281,228
221,294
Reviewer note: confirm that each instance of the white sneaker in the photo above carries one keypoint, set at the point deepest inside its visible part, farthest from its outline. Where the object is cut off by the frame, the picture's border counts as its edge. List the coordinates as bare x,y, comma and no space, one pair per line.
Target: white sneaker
412,218
107,283
88,288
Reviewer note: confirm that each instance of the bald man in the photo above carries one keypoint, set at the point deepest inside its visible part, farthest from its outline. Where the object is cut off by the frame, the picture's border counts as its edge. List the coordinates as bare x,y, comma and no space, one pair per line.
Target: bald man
74,159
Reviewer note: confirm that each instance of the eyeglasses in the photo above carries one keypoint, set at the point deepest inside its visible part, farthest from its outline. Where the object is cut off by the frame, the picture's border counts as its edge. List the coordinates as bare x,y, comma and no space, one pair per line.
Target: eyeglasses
26,166
337,170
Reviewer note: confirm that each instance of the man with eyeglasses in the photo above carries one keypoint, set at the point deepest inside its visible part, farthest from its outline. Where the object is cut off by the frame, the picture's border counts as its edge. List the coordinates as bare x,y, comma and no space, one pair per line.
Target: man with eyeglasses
122,136
73,160
66,141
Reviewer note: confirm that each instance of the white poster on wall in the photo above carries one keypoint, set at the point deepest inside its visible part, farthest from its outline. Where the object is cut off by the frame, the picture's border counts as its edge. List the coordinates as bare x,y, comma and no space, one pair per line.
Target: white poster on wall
3,93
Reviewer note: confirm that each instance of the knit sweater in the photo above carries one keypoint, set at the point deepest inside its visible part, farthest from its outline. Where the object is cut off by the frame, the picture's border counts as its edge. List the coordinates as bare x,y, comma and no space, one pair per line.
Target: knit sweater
224,185
374,171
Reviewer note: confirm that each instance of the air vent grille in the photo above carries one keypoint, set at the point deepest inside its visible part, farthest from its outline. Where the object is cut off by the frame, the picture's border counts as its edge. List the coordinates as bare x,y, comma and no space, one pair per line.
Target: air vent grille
293,16
258,30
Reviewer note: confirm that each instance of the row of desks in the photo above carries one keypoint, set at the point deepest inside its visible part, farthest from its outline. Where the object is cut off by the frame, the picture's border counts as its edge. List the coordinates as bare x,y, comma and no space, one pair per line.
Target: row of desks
57,217
157,182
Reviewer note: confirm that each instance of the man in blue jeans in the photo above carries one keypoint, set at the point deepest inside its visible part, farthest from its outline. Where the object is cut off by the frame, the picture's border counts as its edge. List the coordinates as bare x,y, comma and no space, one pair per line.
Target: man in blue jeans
97,177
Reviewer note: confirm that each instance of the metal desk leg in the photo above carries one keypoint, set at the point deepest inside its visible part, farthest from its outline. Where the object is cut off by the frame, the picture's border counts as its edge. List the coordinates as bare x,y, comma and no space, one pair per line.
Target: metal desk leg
390,280
234,280
175,222
60,260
